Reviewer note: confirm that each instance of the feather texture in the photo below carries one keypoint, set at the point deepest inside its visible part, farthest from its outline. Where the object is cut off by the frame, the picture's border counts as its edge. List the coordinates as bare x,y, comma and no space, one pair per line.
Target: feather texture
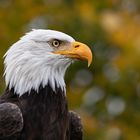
30,62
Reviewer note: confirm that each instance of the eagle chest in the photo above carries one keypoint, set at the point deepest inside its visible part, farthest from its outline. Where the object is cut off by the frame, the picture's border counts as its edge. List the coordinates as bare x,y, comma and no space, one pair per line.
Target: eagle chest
45,116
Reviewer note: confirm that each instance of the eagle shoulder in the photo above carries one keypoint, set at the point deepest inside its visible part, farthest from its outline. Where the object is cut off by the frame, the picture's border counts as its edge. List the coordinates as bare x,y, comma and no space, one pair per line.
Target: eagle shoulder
11,120
75,131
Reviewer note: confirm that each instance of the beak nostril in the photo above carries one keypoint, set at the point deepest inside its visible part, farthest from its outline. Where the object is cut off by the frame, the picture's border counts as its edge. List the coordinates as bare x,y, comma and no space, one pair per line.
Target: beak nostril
76,46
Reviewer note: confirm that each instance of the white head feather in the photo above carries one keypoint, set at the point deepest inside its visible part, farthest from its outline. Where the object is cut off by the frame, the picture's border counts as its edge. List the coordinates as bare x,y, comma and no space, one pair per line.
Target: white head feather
30,63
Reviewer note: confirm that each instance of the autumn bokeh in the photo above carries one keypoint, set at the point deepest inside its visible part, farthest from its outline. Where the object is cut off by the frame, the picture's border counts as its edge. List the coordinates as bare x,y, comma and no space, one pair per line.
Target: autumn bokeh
107,95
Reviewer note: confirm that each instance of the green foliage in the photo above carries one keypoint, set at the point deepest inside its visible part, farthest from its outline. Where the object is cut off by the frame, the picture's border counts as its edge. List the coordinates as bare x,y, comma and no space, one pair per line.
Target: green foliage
107,95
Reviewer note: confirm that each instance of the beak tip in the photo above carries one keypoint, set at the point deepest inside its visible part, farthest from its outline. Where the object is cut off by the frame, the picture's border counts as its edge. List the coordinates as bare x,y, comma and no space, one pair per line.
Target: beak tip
89,63
89,58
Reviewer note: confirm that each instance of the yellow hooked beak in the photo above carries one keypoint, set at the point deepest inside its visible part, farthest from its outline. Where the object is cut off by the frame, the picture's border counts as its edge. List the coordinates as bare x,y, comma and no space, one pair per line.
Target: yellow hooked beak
78,51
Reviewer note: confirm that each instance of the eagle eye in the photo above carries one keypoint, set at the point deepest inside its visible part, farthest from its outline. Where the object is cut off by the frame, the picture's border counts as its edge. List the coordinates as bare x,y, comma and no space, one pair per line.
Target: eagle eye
56,43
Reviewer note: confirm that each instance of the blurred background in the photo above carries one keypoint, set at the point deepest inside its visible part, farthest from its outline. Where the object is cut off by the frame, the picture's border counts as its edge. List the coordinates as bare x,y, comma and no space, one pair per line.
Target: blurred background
106,95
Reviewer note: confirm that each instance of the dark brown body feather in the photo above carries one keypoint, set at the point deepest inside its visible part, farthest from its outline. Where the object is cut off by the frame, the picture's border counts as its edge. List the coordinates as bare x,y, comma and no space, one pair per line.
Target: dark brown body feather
45,115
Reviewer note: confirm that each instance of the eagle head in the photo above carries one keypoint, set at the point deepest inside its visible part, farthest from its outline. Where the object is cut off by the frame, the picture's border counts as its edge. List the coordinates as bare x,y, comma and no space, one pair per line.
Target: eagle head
41,57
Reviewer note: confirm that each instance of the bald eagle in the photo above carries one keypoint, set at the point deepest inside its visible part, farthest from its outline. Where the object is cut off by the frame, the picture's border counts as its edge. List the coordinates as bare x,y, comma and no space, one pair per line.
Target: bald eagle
34,104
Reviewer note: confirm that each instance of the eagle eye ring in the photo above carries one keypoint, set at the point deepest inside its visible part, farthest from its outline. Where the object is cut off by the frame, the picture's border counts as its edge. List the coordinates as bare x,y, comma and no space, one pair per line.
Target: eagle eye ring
56,43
